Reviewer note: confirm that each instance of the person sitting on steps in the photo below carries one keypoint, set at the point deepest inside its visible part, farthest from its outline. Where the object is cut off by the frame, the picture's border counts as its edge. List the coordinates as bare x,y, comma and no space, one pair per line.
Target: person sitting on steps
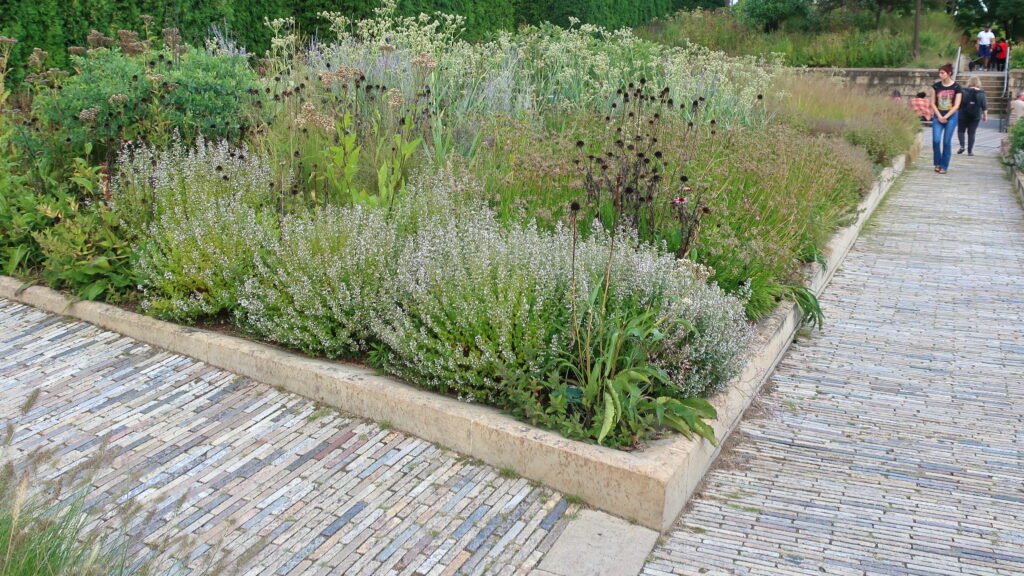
1017,109
921,106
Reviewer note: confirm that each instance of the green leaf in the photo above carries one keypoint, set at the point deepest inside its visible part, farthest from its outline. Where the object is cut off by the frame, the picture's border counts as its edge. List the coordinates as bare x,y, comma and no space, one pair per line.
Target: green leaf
609,418
94,290
702,407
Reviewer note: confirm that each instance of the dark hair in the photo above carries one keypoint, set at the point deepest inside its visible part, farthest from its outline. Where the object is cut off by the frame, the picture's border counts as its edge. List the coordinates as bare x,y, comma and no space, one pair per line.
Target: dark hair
922,95
896,94
947,68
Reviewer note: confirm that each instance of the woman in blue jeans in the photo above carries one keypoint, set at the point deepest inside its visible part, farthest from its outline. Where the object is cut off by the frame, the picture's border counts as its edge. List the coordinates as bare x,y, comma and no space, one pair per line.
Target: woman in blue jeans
946,103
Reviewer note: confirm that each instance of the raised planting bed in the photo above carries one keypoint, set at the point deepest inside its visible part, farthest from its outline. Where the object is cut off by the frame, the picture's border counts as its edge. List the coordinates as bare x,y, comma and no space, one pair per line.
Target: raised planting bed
648,486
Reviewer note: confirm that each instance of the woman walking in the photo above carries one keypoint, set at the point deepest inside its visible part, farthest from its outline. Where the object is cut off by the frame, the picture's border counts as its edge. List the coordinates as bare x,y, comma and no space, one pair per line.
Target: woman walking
945,102
973,109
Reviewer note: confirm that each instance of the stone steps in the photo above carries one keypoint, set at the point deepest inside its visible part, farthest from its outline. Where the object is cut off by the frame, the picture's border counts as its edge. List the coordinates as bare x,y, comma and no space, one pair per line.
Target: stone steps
992,84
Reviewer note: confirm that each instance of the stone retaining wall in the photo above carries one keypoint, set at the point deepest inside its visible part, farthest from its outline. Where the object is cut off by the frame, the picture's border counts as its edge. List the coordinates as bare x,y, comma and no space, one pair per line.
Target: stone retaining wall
908,81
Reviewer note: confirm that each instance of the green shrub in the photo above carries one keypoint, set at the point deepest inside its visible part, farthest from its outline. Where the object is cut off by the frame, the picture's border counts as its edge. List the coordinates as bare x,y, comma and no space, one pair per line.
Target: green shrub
114,97
1017,140
20,213
513,316
447,297
770,14
85,253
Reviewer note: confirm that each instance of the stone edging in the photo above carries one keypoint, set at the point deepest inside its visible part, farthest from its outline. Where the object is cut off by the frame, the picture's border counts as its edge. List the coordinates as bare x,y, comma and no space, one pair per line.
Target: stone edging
1018,184
649,487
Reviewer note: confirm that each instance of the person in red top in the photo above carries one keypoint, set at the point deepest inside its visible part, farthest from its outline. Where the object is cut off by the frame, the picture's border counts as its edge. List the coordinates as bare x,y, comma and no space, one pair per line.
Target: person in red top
999,53
922,106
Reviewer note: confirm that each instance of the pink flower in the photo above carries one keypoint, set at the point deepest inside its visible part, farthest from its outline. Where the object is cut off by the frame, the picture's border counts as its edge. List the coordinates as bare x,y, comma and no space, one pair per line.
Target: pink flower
680,200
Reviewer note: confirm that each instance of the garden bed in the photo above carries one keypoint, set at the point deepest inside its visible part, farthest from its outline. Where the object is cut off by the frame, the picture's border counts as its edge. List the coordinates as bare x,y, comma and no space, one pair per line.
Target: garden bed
574,227
648,486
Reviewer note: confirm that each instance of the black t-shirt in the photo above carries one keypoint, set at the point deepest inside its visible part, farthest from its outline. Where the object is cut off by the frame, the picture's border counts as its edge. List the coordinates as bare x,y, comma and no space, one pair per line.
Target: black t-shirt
945,96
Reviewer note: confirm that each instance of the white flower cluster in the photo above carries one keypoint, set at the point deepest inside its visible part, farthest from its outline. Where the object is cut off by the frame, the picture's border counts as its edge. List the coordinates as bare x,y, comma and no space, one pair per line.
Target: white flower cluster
198,216
438,290
540,68
317,287
447,297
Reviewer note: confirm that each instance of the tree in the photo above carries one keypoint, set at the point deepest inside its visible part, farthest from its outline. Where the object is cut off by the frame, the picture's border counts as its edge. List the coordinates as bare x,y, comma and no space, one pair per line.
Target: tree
917,28
770,14
1007,15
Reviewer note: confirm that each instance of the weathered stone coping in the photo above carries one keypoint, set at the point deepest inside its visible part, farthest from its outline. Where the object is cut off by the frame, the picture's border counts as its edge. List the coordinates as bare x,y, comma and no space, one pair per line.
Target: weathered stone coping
649,487
1018,184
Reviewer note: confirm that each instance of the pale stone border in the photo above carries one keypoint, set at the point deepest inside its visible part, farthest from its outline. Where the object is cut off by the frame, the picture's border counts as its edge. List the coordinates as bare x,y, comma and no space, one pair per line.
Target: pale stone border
1018,184
649,487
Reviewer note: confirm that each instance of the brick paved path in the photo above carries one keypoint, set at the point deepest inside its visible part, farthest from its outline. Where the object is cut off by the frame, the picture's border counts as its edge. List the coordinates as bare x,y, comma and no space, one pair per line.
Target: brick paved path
893,442
236,477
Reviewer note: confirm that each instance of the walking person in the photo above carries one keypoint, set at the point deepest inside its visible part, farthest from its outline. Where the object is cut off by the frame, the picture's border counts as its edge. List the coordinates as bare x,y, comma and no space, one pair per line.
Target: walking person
973,110
945,103
984,43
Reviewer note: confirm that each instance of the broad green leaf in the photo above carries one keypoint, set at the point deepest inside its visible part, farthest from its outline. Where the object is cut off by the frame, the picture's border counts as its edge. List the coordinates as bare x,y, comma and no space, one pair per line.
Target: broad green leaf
609,418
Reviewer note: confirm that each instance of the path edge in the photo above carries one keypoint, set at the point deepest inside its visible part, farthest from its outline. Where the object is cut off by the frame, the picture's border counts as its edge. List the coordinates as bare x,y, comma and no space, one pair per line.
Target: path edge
648,487
1018,184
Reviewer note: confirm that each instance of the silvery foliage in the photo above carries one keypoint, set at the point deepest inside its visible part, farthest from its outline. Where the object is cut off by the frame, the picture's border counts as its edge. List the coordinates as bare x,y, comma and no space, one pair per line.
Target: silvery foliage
205,212
698,361
474,302
317,287
541,67
477,302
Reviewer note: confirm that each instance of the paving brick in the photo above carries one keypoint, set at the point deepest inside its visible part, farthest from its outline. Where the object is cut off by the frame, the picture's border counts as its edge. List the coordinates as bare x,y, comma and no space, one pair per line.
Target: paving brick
234,473
892,442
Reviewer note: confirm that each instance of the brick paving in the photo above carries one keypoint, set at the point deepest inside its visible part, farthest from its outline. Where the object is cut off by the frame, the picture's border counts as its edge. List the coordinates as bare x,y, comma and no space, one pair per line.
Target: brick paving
232,476
892,441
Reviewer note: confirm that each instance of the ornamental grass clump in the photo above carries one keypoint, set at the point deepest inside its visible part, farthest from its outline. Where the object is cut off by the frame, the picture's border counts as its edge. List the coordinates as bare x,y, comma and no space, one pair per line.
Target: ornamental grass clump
820,105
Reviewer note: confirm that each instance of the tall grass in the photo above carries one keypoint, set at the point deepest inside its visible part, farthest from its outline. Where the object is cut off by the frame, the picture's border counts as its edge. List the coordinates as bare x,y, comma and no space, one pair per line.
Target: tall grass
44,529
846,40
820,105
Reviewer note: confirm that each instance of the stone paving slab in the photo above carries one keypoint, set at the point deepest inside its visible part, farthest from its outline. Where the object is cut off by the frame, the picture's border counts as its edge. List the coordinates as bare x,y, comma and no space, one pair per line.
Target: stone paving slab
892,441
231,476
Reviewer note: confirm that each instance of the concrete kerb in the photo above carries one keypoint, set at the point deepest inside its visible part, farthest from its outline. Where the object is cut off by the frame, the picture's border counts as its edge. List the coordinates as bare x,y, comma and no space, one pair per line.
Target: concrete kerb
648,487
1018,184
